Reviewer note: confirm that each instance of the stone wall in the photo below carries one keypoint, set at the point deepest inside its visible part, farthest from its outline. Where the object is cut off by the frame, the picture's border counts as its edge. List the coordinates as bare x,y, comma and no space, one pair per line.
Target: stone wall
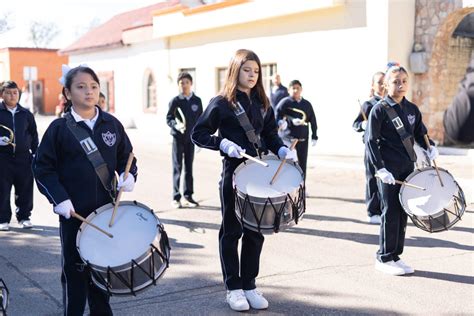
447,59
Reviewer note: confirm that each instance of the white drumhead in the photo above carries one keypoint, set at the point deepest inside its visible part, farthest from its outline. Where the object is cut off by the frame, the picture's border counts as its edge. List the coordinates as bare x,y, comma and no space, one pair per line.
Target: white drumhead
254,179
434,198
134,229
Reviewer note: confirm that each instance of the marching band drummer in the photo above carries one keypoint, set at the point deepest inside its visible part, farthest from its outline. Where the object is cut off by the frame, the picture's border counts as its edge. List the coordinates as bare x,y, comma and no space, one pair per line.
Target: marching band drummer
242,93
65,174
394,125
360,125
189,105
290,119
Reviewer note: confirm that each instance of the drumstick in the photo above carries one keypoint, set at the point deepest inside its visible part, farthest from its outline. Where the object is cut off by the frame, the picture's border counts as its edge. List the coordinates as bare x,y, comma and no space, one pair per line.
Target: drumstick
119,195
283,161
79,217
263,163
362,111
428,145
406,183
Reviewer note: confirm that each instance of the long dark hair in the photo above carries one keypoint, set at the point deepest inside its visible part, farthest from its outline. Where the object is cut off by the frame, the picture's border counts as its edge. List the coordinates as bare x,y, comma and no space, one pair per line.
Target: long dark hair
229,91
68,82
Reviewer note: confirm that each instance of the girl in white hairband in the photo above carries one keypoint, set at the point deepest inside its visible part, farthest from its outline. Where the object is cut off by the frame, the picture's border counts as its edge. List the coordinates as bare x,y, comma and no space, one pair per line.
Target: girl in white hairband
68,179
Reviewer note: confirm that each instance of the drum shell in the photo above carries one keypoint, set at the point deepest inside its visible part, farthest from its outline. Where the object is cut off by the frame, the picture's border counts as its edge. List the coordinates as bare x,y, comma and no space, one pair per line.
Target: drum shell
136,275
275,213
444,218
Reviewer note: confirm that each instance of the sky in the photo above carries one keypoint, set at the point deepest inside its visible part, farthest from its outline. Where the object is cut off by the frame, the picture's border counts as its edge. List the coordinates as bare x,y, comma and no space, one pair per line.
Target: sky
73,17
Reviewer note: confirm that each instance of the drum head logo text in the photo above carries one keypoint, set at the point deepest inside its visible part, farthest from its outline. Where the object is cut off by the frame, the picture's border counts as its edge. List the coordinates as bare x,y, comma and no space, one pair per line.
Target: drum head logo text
109,138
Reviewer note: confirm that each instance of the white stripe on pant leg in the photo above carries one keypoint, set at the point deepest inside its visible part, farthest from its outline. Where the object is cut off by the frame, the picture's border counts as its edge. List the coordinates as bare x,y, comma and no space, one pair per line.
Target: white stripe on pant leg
223,229
62,264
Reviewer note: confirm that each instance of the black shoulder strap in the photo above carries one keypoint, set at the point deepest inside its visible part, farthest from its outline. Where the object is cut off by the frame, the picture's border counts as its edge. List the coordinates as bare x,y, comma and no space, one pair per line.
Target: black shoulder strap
91,151
406,138
247,126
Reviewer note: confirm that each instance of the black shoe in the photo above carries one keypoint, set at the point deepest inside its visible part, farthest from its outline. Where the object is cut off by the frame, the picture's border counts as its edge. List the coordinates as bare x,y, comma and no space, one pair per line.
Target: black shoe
188,201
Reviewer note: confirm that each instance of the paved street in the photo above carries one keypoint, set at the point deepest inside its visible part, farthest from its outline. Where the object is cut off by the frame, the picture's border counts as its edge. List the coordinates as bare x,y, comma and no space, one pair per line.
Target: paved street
324,265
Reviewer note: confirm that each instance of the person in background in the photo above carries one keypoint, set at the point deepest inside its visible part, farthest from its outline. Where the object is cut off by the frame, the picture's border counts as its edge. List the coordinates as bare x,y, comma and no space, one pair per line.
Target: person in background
372,201
184,110
278,92
16,156
102,102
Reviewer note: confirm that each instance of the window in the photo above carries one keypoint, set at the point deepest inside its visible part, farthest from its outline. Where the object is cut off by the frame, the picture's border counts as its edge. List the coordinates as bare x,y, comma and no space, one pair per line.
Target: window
192,72
221,72
268,70
150,92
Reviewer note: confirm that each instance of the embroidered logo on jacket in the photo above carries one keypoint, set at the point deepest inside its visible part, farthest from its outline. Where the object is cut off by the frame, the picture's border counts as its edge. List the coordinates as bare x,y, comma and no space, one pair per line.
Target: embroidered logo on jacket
109,138
411,119
194,107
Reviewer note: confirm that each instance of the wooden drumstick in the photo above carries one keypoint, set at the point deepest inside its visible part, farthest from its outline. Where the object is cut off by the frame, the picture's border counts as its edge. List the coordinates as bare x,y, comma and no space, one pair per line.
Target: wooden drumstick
79,217
406,183
293,145
263,163
119,195
428,145
362,111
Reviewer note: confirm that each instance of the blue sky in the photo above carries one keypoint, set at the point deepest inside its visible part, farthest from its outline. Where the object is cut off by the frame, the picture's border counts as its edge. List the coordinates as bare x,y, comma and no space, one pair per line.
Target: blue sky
72,17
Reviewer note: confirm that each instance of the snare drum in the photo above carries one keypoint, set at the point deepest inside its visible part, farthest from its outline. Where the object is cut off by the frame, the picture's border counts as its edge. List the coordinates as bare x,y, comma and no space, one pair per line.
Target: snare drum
267,208
3,297
134,258
438,207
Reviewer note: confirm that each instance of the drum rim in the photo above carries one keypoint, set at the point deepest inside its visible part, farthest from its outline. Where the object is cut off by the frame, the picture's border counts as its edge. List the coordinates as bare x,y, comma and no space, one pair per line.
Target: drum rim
123,266
261,200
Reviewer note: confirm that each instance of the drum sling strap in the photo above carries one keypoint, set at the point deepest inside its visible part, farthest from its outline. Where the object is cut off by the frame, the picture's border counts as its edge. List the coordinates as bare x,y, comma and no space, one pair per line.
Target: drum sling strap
406,138
91,151
247,126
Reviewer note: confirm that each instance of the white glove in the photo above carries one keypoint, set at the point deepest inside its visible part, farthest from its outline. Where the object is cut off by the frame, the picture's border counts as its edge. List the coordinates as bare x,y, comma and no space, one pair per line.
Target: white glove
313,142
433,153
385,175
128,184
363,125
286,153
230,148
4,141
180,127
64,208
282,124
297,122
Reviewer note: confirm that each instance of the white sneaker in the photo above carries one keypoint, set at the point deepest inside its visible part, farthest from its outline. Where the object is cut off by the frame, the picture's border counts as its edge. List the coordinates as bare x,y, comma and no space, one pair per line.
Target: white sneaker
256,299
26,224
4,226
237,301
389,267
374,219
176,204
405,267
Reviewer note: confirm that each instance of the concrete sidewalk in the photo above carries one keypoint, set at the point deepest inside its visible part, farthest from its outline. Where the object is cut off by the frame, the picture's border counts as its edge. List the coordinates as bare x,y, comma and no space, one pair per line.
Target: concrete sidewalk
323,266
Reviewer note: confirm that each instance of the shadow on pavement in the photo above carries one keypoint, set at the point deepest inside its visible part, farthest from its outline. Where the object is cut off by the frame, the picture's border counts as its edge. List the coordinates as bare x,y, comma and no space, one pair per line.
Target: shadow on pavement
465,279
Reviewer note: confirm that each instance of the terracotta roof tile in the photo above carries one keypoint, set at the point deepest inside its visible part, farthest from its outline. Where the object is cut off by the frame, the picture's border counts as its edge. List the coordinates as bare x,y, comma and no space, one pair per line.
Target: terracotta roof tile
109,34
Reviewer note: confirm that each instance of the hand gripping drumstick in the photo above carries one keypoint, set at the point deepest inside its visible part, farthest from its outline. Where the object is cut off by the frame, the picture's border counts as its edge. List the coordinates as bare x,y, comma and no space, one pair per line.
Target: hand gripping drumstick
407,184
79,217
428,145
362,110
119,195
293,145
263,163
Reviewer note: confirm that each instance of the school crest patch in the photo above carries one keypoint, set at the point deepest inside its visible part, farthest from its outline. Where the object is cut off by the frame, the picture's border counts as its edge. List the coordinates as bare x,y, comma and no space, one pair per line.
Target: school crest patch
109,138
411,119
194,107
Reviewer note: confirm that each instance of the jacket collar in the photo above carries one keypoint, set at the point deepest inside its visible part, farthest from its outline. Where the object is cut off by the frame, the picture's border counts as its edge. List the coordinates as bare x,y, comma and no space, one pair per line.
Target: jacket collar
392,103
19,108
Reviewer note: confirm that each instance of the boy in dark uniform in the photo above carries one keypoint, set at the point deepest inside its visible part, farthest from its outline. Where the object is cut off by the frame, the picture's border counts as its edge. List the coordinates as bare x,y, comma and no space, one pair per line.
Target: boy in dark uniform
278,92
360,125
15,157
184,110
291,120
394,160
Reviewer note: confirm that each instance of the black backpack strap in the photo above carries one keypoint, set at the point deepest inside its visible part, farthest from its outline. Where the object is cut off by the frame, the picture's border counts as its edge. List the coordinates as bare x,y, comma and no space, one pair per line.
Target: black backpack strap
91,151
247,126
407,139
